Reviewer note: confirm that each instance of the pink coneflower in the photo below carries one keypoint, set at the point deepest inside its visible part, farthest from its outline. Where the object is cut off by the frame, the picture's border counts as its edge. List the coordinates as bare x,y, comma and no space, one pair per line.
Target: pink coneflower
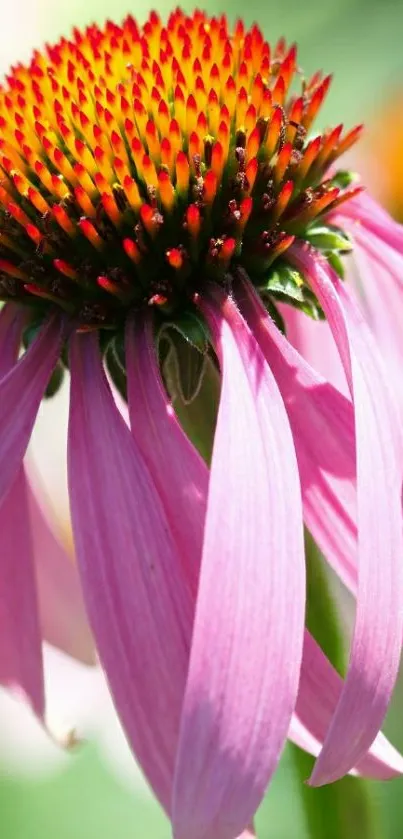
163,177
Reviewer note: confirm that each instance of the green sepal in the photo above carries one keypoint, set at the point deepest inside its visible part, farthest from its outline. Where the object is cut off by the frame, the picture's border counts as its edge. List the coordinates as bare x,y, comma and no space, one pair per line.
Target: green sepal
115,362
332,242
328,238
274,313
31,331
192,329
287,285
285,281
55,381
336,262
311,306
188,360
187,338
197,419
344,179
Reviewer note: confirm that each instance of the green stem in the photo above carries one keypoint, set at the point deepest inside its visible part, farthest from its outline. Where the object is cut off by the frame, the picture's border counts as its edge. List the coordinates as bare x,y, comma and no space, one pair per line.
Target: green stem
346,809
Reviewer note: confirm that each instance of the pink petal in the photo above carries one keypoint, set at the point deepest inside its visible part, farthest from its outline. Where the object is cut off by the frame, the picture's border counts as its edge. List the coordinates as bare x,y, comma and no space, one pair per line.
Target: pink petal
320,690
21,666
290,372
322,424
314,340
245,656
177,469
136,596
367,213
21,391
378,281
62,612
375,652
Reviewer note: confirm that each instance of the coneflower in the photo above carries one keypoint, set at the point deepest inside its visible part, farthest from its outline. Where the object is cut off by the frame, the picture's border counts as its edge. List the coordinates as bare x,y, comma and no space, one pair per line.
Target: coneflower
158,178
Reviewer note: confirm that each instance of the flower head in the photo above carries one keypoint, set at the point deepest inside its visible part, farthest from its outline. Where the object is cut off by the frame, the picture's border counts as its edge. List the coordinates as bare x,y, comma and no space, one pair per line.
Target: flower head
139,163
162,181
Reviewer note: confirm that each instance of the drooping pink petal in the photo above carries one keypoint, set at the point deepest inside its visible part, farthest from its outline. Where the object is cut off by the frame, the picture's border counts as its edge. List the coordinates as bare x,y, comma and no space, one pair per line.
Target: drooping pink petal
321,684
39,589
137,598
314,341
290,372
375,653
21,665
367,213
21,391
376,274
323,429
62,612
245,655
178,470
319,692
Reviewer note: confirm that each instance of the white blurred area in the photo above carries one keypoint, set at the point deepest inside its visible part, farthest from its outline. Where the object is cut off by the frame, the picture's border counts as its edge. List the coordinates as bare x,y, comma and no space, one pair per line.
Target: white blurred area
79,709
28,24
21,27
78,700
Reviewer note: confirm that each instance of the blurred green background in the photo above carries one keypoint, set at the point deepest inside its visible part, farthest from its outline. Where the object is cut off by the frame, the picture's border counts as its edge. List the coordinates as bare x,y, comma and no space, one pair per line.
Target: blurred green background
360,41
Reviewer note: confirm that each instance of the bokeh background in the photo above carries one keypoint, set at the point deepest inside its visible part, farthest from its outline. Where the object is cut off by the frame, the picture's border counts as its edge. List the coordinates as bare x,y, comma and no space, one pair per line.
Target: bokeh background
96,792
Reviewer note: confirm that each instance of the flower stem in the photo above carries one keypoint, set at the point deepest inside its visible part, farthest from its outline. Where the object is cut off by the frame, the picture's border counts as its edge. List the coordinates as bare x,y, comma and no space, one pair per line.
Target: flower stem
346,809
